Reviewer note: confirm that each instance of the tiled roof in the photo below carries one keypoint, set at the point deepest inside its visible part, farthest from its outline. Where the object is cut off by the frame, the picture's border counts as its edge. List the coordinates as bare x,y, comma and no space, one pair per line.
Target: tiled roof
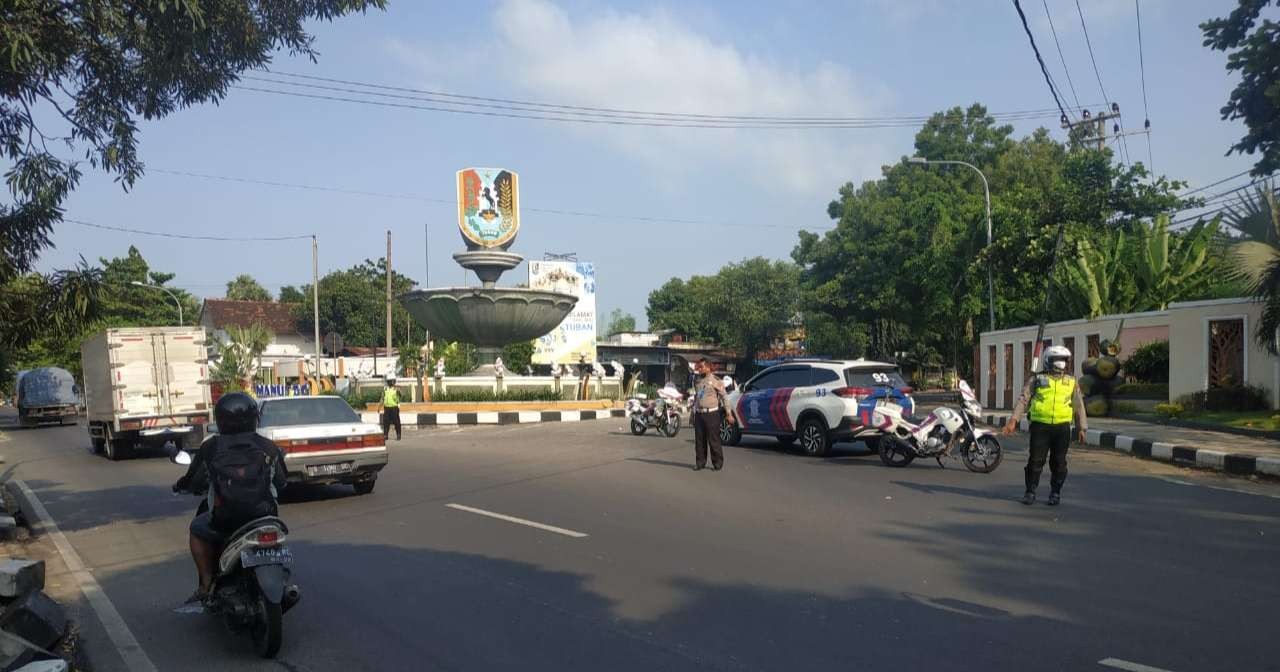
278,317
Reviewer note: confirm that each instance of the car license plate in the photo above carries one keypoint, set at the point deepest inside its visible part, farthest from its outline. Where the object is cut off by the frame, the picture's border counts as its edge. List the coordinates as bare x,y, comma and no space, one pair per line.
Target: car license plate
329,469
271,555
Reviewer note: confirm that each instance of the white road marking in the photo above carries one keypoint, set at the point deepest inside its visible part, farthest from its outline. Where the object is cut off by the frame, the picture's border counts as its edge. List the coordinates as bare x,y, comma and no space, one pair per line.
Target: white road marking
131,652
1130,667
518,521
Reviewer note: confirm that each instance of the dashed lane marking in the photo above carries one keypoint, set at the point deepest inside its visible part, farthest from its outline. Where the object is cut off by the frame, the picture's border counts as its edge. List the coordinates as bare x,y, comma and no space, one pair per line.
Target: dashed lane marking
518,521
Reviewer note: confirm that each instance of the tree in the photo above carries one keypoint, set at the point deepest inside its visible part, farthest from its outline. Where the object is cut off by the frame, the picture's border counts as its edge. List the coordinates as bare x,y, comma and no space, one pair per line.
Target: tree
95,66
619,322
238,357
245,288
291,294
353,304
1256,99
518,357
1258,265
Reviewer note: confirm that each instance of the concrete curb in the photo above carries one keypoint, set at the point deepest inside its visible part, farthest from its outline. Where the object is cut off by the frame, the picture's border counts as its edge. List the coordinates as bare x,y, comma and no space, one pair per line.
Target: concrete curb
420,420
1186,456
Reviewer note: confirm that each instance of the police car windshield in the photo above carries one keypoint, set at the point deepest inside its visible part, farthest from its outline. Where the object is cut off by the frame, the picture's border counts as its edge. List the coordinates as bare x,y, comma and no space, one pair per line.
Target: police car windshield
864,377
306,411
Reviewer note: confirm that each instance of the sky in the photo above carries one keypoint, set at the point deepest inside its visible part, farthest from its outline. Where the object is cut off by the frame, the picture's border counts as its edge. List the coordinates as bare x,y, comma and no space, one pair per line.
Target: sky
749,190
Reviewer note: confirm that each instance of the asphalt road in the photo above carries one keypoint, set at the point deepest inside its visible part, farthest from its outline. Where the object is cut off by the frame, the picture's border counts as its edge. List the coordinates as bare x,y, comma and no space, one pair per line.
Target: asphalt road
779,562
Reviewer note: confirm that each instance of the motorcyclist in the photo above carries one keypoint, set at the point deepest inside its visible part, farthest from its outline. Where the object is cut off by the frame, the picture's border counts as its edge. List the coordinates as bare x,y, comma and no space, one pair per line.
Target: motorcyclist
246,472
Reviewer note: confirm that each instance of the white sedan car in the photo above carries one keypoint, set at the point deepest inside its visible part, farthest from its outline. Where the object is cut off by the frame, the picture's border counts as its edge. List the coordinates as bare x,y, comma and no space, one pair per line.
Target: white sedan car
324,441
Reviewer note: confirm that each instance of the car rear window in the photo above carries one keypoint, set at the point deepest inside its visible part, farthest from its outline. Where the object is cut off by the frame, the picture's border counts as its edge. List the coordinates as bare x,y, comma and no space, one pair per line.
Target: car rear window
868,377
822,376
306,411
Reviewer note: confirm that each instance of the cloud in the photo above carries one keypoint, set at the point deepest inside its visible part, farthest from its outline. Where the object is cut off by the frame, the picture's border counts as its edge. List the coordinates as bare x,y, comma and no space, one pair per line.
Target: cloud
653,61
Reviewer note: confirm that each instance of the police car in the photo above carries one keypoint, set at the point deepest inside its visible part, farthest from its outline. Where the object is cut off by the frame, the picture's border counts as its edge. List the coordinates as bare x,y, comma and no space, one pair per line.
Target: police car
817,402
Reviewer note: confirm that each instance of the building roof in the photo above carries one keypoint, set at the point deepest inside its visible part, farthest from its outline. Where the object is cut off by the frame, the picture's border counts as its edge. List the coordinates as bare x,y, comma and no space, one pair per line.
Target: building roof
277,317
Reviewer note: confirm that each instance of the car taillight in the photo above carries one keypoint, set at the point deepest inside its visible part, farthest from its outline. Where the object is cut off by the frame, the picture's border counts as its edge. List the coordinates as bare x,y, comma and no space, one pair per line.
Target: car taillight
286,444
852,392
268,538
373,441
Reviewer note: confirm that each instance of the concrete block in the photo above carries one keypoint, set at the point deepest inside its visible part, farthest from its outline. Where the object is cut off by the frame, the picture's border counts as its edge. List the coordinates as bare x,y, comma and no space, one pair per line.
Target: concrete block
7,522
1268,465
19,577
36,618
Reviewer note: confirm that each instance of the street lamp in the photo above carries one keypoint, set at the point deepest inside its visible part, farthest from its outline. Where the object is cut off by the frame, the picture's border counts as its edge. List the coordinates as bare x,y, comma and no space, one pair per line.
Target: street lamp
986,191
173,296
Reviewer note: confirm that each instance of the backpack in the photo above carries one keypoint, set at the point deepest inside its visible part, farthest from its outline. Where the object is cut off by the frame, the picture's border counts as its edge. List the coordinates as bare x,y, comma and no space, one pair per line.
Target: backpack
240,475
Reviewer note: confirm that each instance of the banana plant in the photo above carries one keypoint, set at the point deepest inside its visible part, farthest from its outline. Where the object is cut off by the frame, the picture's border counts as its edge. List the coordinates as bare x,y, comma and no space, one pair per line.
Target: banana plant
1170,266
1099,276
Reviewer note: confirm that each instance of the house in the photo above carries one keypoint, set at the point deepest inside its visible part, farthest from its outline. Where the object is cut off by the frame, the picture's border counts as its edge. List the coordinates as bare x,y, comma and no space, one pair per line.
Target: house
1210,345
287,343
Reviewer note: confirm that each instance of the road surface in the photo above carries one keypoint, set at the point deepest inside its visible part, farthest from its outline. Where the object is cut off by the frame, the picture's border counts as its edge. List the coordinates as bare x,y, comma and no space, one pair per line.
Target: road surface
569,546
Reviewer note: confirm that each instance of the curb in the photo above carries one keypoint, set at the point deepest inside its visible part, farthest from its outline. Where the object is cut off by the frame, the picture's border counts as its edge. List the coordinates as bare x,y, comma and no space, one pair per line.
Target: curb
1185,456
421,420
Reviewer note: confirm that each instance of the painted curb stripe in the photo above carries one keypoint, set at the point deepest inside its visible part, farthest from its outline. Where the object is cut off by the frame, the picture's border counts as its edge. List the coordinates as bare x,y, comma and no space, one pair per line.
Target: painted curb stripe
1239,464
1184,454
1141,448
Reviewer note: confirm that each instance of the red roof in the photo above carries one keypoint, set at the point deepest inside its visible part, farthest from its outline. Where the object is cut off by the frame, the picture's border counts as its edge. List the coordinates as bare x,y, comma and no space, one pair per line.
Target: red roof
278,317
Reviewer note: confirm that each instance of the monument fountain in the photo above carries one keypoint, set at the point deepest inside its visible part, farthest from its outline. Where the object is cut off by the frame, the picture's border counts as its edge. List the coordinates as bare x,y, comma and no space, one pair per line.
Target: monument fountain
488,316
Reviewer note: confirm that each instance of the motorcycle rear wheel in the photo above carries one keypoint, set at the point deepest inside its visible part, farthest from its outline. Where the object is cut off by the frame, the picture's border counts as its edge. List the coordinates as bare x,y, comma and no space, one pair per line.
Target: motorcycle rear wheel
267,628
894,452
637,426
982,456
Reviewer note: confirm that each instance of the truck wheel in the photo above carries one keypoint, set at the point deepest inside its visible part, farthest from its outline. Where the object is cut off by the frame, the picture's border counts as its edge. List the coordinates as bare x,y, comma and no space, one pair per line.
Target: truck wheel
98,445
119,449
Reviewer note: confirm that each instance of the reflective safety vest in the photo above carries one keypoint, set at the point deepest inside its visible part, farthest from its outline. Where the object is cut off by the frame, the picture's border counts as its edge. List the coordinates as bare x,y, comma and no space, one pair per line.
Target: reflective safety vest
391,398
1051,402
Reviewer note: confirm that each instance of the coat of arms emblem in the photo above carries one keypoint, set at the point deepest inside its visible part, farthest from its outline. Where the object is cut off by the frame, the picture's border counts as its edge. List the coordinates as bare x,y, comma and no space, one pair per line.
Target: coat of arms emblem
488,206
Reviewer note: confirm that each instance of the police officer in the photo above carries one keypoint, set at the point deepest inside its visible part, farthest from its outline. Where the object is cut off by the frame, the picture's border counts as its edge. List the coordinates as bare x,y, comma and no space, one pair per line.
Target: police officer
1051,398
390,409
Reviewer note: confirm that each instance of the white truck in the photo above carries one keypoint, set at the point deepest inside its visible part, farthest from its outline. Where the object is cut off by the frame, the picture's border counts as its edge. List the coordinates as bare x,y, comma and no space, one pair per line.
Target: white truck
145,385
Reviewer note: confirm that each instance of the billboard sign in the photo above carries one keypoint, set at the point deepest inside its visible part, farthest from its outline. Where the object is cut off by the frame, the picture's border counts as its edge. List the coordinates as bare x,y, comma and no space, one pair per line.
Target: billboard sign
575,337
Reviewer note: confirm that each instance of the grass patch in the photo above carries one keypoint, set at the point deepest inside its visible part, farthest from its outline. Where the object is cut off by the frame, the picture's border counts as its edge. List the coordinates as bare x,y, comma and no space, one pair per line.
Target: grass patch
1264,420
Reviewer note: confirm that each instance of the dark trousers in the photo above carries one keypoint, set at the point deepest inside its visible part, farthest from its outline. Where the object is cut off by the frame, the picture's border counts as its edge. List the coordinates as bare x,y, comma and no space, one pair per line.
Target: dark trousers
1048,441
706,434
390,417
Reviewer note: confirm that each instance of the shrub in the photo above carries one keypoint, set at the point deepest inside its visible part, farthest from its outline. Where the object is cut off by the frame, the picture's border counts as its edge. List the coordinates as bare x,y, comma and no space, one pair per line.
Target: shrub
1169,410
482,394
1123,407
1149,363
1143,390
1236,398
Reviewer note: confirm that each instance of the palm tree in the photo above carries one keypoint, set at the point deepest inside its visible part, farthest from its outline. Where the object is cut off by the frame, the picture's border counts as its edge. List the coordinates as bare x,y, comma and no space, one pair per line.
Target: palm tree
239,357
1257,218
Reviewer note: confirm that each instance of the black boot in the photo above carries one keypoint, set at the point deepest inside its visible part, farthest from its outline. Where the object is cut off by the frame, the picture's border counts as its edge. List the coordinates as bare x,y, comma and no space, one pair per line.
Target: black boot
1054,499
1029,498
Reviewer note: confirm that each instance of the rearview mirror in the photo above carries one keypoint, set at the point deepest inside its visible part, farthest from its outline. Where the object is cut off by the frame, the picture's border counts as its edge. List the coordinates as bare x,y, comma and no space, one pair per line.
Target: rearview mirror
183,458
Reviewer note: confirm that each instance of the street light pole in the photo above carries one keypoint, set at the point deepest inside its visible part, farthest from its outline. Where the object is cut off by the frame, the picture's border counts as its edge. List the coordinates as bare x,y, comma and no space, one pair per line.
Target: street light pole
986,192
173,296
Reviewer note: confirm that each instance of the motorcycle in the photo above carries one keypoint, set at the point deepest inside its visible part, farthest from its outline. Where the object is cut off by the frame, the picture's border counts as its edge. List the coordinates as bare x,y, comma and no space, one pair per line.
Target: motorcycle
943,433
660,414
252,591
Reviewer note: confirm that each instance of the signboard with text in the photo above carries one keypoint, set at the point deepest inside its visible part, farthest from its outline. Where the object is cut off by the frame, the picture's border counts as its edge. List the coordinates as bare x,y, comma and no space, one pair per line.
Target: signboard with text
573,339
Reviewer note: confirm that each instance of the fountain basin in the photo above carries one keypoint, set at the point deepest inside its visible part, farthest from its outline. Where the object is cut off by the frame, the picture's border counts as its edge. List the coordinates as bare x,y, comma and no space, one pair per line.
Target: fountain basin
489,317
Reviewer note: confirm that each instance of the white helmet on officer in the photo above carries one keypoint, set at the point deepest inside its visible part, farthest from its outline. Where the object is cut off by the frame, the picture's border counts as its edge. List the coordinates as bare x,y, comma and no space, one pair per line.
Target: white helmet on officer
1056,358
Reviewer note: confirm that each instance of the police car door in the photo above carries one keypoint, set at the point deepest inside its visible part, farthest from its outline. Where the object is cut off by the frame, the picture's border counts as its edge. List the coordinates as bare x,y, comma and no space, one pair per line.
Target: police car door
763,407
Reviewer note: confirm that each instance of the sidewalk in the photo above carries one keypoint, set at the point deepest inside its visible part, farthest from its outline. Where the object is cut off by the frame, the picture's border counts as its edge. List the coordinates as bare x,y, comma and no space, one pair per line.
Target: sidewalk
1231,453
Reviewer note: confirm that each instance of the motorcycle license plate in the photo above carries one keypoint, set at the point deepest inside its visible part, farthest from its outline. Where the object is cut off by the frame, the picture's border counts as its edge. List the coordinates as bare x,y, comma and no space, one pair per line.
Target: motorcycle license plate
328,469
271,555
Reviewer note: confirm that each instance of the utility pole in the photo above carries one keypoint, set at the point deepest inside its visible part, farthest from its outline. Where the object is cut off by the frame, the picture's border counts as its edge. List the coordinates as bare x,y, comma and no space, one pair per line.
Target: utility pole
315,305
1098,122
389,294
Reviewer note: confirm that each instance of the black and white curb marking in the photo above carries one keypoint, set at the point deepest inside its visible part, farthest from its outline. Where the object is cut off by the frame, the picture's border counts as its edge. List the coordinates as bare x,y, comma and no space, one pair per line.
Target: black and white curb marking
495,417
1231,463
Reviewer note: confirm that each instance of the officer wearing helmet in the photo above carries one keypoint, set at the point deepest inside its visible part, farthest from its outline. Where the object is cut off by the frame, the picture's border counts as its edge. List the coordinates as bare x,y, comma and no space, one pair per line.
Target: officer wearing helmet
1051,399
241,472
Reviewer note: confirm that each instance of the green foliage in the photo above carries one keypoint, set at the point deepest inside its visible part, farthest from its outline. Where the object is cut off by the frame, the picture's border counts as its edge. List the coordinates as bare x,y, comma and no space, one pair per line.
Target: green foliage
1123,408
619,322
459,358
245,288
238,357
1257,259
353,304
77,75
518,357
744,306
1142,390
291,294
1235,398
1149,363
1173,410
1099,274
484,394
1256,99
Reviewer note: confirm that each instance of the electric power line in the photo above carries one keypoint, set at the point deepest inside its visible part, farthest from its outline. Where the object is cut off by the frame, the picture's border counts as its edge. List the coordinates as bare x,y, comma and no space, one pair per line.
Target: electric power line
1061,58
184,236
1124,142
1142,70
1214,184
453,203
1045,71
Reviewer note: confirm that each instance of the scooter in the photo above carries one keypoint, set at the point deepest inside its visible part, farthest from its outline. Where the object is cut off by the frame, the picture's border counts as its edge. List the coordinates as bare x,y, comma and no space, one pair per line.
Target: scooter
252,591
664,416
943,433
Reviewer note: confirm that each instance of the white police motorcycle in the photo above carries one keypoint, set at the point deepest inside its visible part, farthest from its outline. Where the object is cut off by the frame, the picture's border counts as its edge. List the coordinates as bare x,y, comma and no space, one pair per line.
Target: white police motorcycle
944,432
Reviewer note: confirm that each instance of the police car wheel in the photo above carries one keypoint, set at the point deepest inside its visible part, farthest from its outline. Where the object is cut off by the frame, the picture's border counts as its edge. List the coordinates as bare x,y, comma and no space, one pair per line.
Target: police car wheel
813,437
730,435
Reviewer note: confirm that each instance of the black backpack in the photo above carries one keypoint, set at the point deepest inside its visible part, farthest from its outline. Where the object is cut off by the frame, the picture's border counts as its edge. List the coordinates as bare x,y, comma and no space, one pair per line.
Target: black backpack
240,473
